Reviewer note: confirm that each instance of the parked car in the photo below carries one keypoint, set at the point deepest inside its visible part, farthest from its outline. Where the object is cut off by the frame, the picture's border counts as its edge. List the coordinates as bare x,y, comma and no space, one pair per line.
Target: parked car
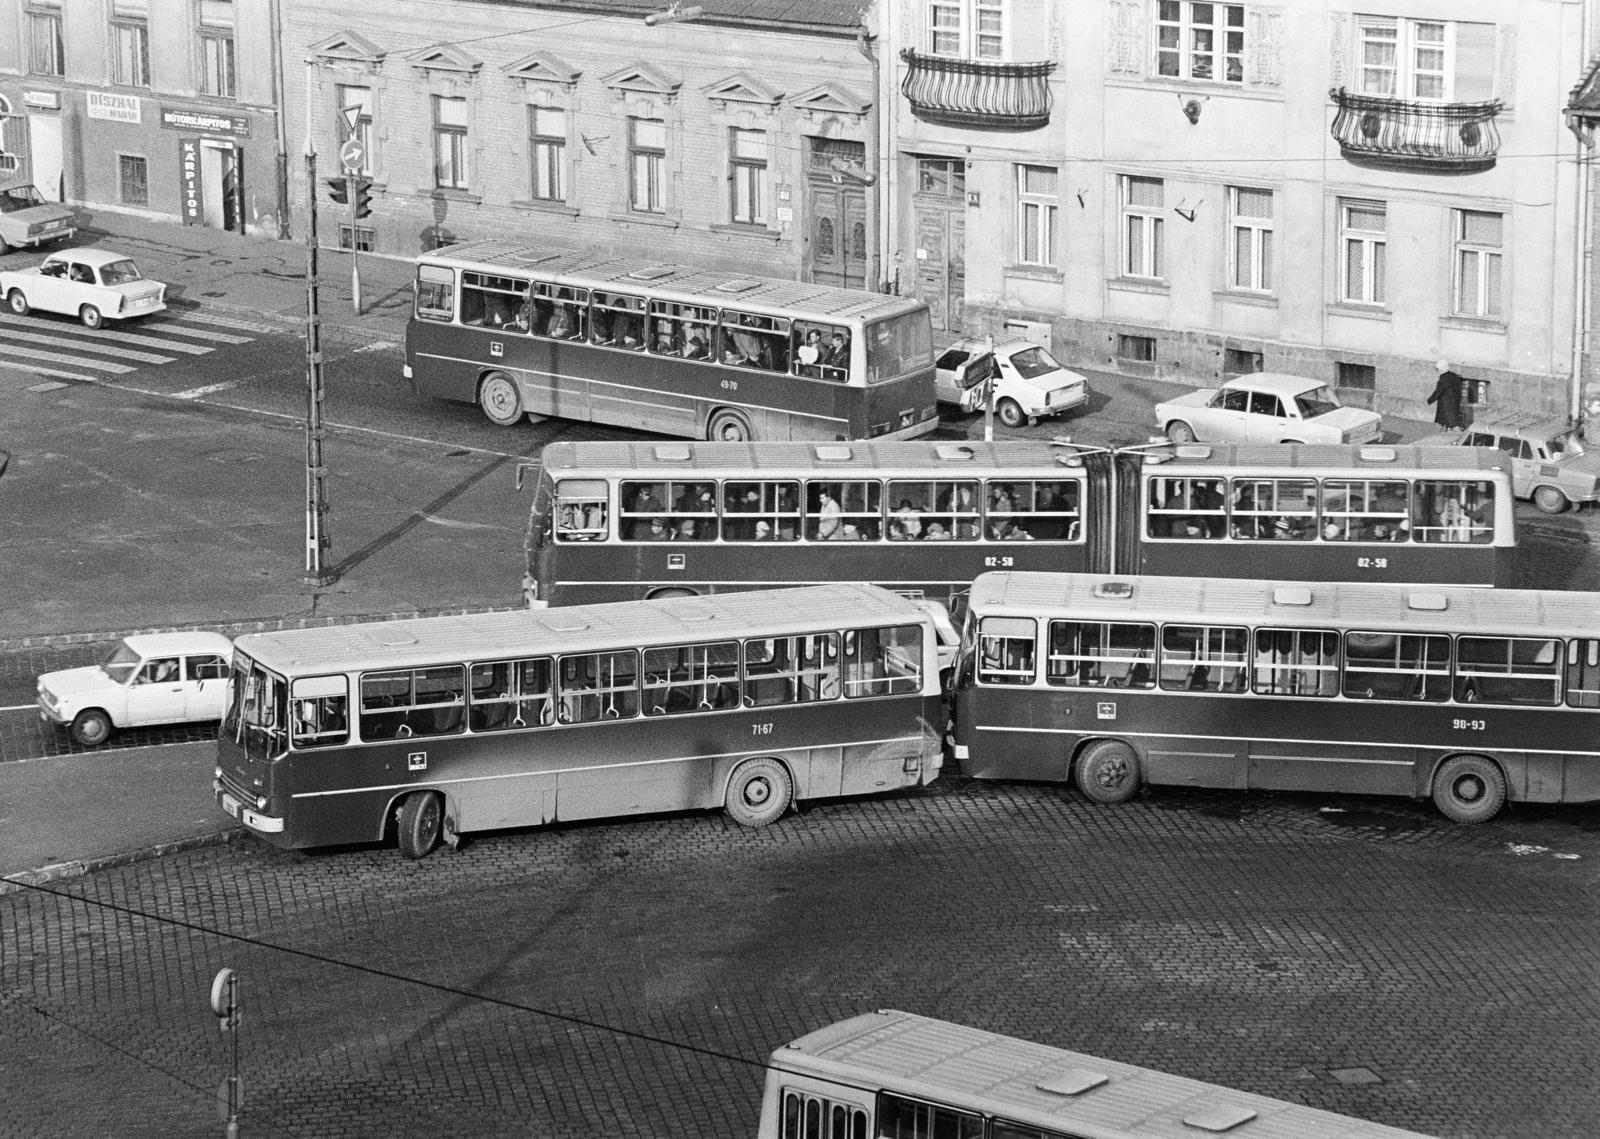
26,218
1029,384
150,678
1266,407
94,285
1549,462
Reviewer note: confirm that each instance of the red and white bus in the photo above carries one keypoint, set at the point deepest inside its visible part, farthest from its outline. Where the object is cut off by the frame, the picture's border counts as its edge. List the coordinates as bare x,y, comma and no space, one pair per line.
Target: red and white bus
897,1075
1470,697
429,728
615,521
520,329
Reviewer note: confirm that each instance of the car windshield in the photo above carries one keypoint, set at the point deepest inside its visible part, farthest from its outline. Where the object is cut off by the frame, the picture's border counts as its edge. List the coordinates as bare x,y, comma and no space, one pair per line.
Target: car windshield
120,664
19,198
1566,445
119,272
1317,401
1031,362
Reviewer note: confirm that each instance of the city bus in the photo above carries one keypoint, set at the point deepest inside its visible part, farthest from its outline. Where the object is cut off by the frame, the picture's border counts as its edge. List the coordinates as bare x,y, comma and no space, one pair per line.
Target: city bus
522,329
431,728
1470,697
897,1075
618,521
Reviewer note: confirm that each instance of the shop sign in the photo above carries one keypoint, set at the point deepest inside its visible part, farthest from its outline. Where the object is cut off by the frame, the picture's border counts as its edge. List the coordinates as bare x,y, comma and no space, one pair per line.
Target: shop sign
211,122
189,176
117,108
44,100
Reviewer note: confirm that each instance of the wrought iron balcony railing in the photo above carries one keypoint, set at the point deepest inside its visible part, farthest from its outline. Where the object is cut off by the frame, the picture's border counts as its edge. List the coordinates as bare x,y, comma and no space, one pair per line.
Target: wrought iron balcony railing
976,93
1456,138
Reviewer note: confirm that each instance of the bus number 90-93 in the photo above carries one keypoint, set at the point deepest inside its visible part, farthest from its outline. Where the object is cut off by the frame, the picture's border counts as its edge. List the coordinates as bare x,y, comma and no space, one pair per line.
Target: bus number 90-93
1469,725
764,729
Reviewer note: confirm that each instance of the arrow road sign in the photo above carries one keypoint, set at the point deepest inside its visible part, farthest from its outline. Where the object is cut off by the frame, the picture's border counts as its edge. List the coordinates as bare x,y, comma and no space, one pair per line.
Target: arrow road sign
350,153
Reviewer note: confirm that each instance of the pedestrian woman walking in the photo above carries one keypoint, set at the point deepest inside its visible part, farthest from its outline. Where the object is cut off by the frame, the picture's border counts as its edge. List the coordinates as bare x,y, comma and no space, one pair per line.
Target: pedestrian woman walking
1447,395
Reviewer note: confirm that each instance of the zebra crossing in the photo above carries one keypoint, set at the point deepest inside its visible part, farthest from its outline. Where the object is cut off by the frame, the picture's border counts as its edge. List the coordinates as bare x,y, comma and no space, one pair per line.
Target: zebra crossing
61,352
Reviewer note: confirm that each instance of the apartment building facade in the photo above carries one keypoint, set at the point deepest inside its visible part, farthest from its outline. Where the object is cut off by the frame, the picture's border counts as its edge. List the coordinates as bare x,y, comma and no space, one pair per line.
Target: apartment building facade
1183,189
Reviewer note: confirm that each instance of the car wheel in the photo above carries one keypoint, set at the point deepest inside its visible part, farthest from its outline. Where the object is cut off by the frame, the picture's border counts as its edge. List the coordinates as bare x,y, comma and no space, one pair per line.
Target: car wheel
500,400
91,316
91,727
1011,413
18,302
1180,432
1550,500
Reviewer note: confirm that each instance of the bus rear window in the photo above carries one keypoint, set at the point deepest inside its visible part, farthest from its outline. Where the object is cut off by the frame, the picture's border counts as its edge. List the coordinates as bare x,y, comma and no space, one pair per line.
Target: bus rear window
436,293
899,346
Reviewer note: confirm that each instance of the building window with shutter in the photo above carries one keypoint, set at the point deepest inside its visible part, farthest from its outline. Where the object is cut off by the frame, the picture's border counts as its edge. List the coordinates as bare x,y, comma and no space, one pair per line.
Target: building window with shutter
47,54
1036,215
217,75
967,29
449,143
1434,61
747,173
647,164
1250,251
1142,232
547,150
1363,252
130,43
1478,253
1202,41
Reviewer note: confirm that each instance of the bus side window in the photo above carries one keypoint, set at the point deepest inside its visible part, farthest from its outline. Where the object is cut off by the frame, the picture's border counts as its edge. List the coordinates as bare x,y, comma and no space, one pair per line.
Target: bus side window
321,711
1583,674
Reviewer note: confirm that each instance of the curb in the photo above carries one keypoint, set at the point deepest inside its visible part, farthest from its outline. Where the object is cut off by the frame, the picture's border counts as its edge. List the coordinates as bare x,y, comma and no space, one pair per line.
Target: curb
77,868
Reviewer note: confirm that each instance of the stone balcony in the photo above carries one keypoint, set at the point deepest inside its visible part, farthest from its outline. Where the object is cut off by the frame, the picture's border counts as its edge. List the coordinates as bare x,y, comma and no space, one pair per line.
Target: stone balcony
1397,134
977,94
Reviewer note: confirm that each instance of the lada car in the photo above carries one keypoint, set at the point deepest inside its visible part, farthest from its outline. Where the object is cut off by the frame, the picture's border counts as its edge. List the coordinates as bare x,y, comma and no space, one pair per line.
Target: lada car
94,285
1029,383
1549,462
1266,407
149,678
26,218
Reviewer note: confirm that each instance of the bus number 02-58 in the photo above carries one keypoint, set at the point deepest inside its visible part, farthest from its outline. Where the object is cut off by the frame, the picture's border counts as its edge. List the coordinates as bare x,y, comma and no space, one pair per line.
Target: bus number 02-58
993,562
761,729
1469,725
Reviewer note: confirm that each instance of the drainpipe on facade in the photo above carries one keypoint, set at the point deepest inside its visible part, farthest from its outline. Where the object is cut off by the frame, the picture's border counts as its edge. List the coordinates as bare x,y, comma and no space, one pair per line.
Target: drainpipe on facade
1584,270
282,128
874,182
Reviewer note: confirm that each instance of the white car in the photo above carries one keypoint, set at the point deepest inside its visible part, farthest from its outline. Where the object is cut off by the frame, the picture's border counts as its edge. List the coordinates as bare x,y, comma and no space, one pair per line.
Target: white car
1029,383
150,678
1267,407
94,285
27,219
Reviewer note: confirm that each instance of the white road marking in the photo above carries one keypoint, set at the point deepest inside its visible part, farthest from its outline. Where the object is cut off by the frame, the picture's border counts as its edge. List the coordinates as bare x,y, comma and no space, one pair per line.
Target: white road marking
208,389
199,317
377,346
116,348
199,333
62,358
21,708
119,335
52,385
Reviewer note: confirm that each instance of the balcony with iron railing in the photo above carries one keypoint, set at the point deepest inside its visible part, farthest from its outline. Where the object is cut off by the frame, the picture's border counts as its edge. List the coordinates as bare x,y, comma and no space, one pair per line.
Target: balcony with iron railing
1397,134
977,93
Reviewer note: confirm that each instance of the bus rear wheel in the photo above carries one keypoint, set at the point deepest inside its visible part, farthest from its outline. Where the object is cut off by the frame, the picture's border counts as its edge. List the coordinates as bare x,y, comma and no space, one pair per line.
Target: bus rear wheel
759,792
1108,772
1469,789
421,819
500,400
727,426
1180,432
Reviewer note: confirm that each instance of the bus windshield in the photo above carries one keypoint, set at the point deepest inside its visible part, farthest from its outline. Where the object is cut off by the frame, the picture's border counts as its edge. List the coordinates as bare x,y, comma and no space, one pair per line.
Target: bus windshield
899,346
256,711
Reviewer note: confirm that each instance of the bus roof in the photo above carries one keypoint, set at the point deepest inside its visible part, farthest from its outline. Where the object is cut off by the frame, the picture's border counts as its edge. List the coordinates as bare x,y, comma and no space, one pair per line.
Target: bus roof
1050,1087
1330,459
684,283
663,460
1440,608
424,641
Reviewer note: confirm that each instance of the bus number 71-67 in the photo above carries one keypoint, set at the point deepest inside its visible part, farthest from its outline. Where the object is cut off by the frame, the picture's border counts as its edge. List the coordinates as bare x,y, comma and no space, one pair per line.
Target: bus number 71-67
762,729
1469,725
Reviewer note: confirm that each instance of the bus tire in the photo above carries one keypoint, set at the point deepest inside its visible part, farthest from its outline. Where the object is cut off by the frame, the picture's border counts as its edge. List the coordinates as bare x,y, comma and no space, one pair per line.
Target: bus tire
18,300
90,727
1469,789
1180,432
759,792
1011,413
500,400
1108,772
729,426
1550,499
419,823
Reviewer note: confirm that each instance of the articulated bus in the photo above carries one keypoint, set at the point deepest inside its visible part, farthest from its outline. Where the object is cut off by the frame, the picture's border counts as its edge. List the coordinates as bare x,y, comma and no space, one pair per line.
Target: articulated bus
1468,696
433,727
522,329
615,521
897,1075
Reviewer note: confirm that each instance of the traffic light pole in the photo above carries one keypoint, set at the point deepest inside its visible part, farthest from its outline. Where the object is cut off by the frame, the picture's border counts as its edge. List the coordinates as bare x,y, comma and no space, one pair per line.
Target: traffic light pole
351,179
317,540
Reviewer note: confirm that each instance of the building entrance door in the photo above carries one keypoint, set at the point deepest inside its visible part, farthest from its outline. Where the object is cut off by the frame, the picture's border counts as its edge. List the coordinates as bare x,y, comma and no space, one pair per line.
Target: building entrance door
836,215
44,154
221,185
939,215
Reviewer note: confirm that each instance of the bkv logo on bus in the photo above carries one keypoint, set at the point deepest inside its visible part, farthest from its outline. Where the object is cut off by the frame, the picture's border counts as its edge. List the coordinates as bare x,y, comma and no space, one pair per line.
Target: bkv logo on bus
417,761
1105,710
496,348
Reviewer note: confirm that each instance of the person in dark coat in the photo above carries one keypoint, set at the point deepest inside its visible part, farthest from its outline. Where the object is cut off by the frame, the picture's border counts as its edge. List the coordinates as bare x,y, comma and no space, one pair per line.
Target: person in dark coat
1447,395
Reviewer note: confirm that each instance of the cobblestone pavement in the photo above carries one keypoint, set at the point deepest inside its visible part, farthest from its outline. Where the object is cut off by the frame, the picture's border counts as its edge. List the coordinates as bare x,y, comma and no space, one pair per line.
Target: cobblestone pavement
628,979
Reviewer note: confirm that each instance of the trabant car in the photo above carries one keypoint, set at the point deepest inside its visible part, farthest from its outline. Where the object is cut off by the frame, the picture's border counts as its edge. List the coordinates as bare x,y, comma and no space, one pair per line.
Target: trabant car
26,218
1029,383
149,678
1549,462
1267,407
94,285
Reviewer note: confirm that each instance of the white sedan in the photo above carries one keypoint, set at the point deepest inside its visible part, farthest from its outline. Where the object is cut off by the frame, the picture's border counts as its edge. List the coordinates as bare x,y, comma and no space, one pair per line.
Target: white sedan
150,678
1028,382
94,285
1267,407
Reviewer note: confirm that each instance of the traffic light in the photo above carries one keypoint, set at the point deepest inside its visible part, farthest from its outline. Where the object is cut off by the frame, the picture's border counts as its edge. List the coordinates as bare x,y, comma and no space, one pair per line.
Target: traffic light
338,190
362,189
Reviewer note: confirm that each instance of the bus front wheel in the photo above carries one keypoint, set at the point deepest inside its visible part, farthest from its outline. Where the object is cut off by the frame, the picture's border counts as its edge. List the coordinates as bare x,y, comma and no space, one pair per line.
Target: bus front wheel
1469,789
420,823
1108,771
500,400
727,426
759,792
